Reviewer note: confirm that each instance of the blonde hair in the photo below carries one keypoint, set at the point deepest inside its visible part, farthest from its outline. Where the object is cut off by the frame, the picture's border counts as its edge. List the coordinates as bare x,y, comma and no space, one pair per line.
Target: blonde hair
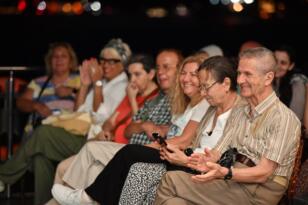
180,101
73,57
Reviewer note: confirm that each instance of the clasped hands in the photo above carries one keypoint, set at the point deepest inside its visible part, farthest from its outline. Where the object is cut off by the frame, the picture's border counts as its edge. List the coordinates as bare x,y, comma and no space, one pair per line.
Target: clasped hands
206,164
90,72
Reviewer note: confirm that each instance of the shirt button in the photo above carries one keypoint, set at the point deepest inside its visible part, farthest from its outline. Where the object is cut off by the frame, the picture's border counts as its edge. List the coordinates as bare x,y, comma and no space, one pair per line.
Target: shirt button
246,136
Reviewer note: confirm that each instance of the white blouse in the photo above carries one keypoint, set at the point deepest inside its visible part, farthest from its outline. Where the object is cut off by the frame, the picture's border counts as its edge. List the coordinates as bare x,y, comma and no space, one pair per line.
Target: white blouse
209,140
114,92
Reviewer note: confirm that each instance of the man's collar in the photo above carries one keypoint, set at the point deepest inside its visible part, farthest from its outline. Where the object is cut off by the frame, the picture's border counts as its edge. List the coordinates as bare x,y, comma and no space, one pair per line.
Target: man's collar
262,106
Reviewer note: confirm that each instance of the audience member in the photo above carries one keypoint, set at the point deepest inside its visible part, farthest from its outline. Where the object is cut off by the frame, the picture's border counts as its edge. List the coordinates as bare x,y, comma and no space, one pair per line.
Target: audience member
289,83
54,92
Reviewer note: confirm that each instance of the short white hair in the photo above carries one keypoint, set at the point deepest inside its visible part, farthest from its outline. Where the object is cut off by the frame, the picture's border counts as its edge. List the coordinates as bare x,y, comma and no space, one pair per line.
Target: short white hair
213,50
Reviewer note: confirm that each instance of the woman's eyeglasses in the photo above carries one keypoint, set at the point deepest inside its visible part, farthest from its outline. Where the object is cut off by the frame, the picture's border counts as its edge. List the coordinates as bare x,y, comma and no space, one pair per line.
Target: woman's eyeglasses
206,88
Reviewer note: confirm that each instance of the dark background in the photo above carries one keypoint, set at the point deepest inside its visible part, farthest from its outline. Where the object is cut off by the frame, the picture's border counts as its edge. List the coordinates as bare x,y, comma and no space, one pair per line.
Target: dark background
24,38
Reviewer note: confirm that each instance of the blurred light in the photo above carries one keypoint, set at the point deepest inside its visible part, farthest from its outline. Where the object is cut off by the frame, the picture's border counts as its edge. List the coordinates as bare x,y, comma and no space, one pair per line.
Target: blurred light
235,1
95,6
8,10
266,9
268,6
182,10
248,1
225,2
21,5
237,7
281,6
158,12
77,8
214,2
41,6
53,7
67,8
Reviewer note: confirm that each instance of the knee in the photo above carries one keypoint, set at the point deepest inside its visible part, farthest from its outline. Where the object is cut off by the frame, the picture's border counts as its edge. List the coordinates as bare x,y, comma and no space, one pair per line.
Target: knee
61,168
89,146
42,132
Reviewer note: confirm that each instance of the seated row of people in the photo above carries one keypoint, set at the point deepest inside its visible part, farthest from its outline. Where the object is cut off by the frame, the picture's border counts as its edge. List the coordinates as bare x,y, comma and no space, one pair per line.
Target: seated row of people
185,92
266,146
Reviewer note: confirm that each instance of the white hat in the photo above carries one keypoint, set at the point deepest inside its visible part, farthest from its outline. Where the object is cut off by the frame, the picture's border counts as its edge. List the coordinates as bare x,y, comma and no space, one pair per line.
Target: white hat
213,50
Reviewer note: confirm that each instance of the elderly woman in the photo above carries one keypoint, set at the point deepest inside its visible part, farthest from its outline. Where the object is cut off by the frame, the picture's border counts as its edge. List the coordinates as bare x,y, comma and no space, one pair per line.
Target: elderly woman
54,92
52,144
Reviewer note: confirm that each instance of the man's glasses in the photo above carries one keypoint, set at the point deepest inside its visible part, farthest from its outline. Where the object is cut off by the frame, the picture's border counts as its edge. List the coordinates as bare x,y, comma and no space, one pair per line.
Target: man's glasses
110,61
206,88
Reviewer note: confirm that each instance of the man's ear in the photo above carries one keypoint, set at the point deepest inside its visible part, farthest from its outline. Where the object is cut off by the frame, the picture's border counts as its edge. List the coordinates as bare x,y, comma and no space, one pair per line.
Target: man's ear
269,77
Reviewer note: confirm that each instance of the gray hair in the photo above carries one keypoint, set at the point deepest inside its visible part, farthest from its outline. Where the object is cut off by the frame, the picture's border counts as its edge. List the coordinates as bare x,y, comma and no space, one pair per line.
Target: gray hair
121,48
266,58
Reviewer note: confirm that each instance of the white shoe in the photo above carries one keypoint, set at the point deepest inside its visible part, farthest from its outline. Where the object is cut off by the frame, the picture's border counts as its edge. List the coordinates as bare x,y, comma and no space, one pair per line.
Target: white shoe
67,196
2,186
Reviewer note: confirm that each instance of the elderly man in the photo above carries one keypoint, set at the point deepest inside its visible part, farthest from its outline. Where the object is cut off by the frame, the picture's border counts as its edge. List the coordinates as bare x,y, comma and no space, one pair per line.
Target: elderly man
266,135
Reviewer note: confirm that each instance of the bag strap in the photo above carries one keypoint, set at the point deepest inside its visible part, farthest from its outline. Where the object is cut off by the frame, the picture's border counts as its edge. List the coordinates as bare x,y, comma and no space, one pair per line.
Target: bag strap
33,115
43,88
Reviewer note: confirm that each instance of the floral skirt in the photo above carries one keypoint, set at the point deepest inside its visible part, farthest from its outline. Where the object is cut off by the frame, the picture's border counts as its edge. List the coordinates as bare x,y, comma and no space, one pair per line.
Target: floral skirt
141,183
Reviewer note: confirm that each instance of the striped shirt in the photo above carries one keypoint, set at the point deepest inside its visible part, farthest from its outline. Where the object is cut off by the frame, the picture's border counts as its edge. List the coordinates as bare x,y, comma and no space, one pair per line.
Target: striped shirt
271,131
49,96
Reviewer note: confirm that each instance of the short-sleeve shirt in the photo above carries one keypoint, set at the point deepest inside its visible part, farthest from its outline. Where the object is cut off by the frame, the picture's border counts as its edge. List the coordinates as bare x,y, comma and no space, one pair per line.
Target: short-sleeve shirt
270,130
157,111
194,113
49,97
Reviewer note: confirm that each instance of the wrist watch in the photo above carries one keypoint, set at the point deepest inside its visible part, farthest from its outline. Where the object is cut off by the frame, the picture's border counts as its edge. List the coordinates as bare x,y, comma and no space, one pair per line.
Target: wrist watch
228,176
98,83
